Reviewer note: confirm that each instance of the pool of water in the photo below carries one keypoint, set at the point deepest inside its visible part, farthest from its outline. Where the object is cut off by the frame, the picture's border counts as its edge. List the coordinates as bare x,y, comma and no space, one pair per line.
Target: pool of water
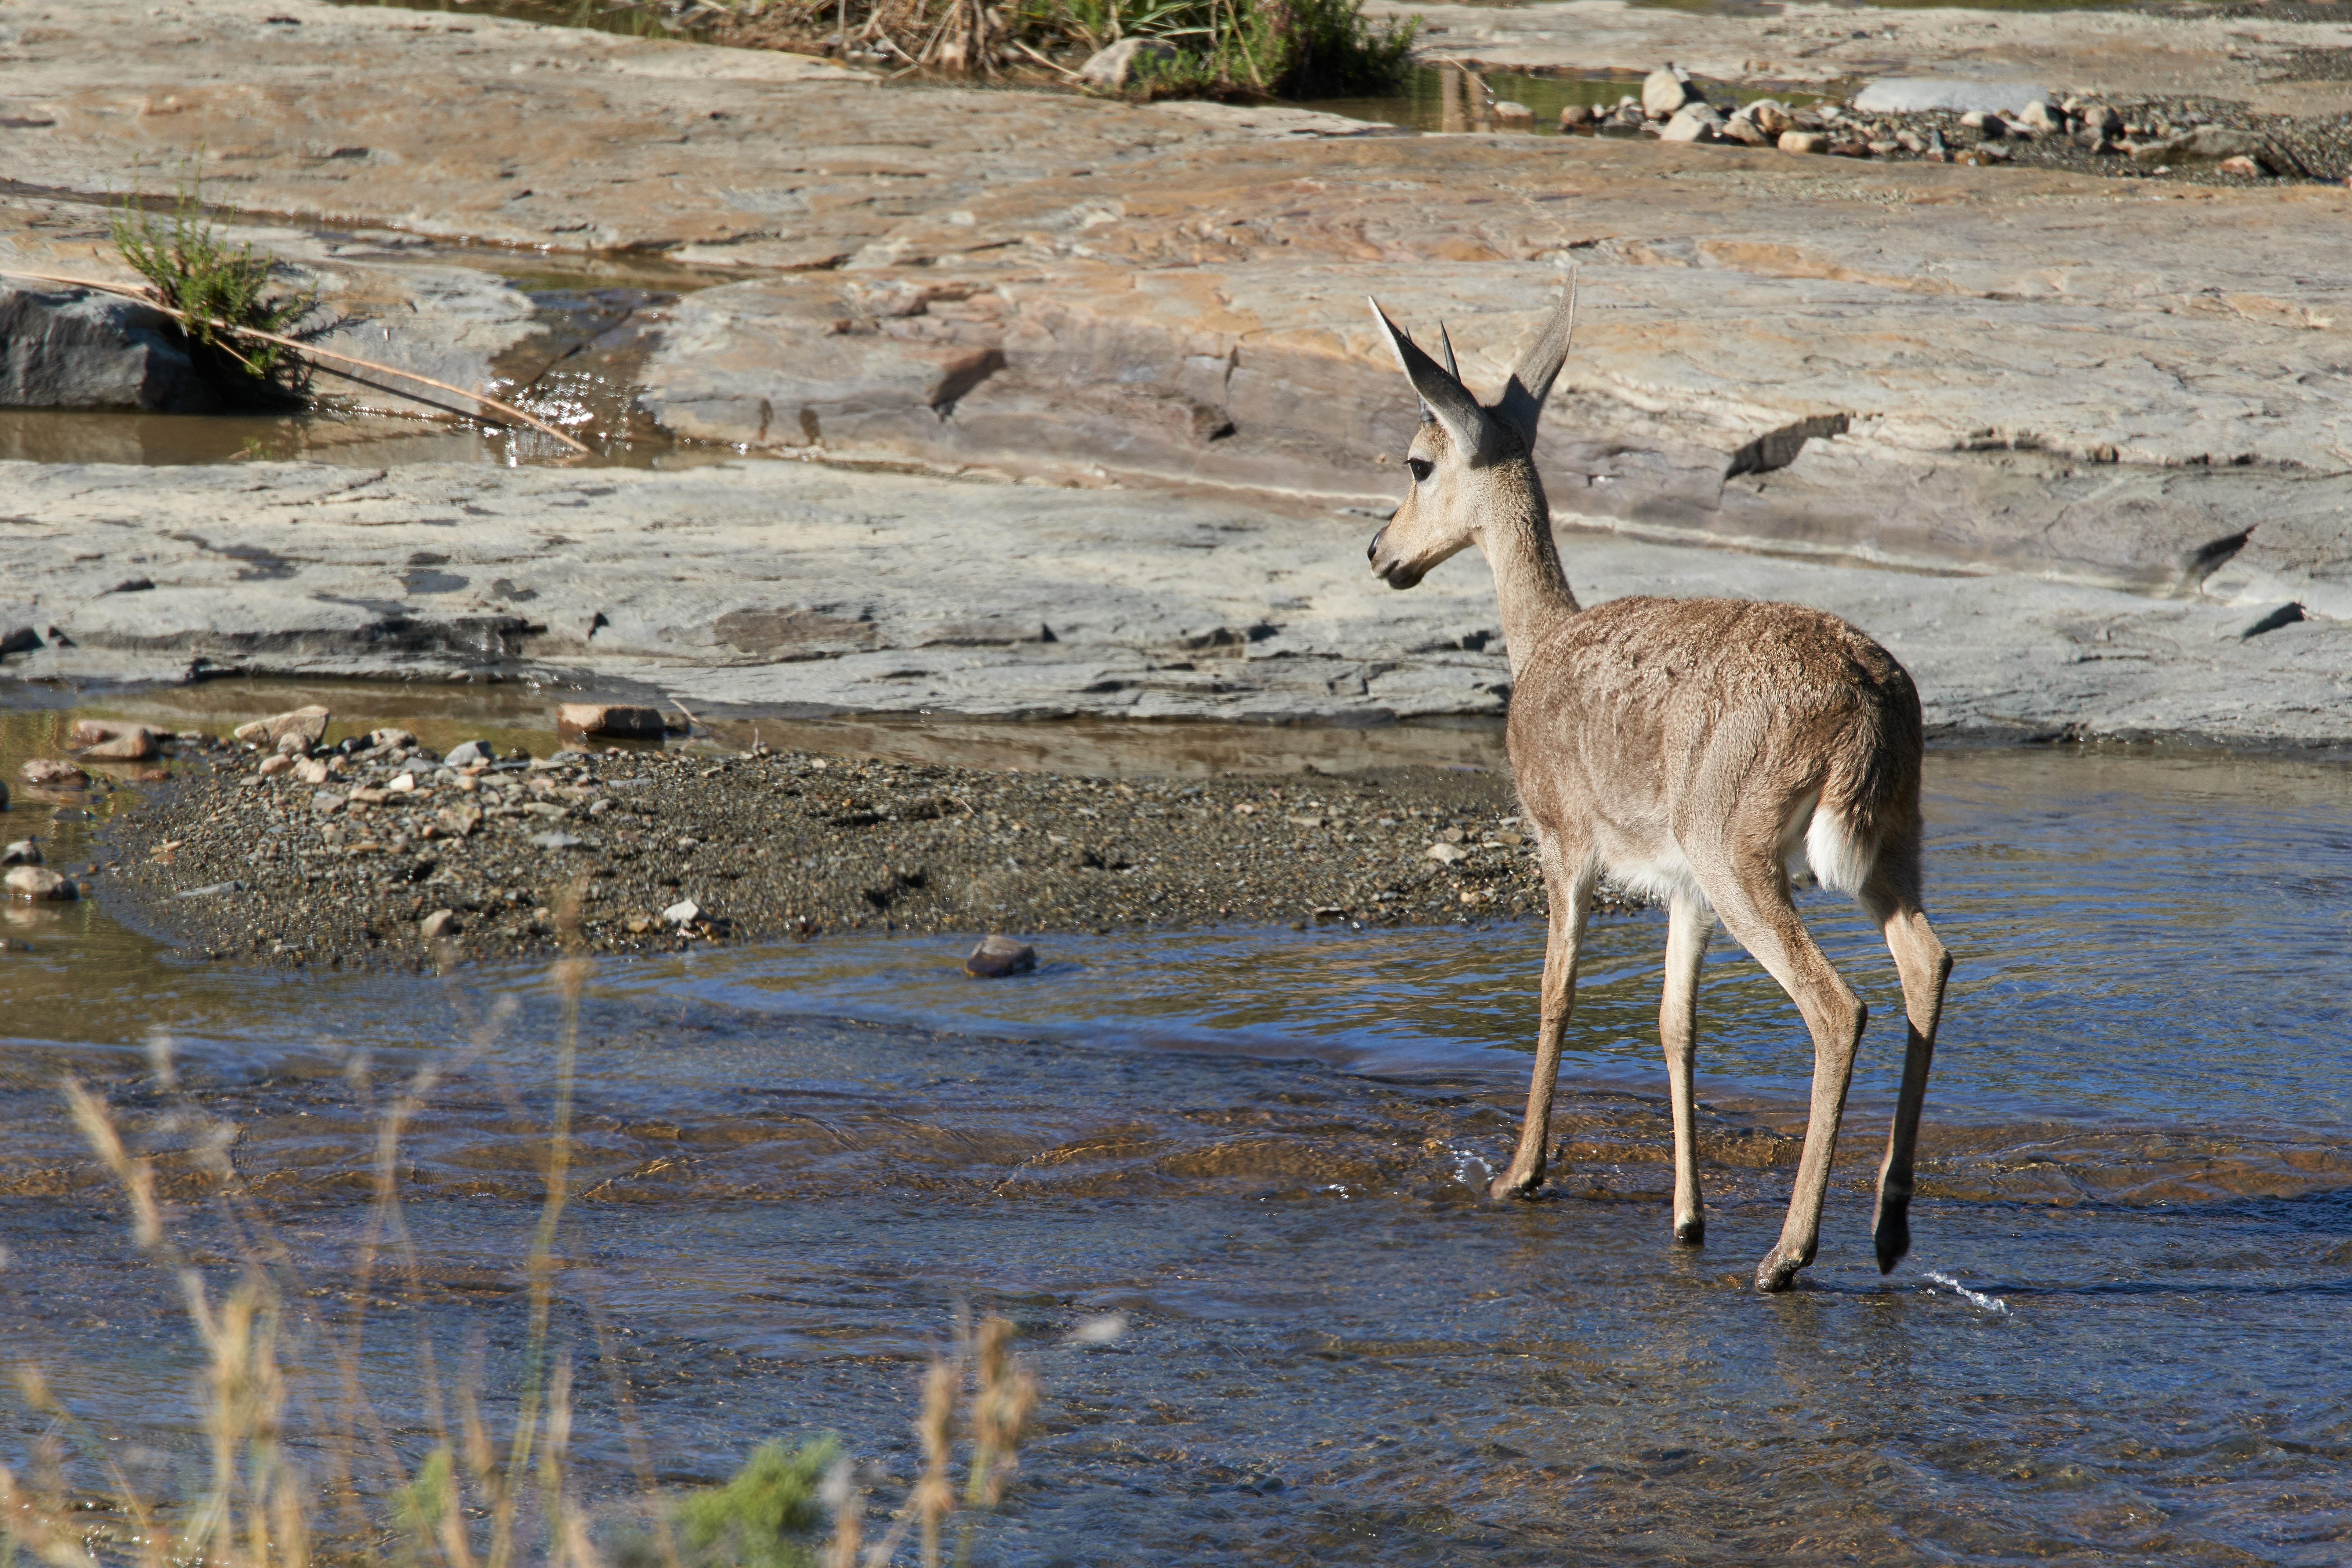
1227,1183
1423,105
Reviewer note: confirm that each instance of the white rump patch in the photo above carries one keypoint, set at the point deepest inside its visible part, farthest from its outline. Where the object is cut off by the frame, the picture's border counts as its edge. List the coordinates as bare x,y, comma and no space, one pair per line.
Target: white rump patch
1837,857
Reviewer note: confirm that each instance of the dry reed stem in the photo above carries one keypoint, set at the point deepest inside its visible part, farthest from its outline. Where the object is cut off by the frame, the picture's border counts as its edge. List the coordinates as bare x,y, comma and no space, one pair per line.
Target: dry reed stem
485,399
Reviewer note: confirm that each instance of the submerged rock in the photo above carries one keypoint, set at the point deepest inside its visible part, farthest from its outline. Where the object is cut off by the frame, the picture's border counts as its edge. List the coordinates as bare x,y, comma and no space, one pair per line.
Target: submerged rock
54,772
998,956
633,723
41,884
22,852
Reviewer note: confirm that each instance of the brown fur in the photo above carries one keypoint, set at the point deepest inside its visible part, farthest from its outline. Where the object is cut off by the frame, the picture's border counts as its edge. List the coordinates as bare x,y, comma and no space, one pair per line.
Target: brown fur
1685,748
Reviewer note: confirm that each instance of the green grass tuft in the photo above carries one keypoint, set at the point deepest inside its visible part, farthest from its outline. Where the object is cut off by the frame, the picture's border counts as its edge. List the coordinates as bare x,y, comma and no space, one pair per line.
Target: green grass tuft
763,1517
193,270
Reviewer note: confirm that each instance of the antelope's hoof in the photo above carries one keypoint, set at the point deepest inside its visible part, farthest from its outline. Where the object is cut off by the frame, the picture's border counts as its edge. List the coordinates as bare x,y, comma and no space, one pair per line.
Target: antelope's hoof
1892,1235
1691,1231
1777,1273
1511,1184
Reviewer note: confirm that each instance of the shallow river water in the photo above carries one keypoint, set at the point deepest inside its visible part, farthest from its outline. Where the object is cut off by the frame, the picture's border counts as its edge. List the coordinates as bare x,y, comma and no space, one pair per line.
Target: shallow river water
1226,1184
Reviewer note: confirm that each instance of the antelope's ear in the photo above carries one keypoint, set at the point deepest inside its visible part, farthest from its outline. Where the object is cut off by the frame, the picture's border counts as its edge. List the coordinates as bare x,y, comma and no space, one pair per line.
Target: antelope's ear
1443,398
1521,404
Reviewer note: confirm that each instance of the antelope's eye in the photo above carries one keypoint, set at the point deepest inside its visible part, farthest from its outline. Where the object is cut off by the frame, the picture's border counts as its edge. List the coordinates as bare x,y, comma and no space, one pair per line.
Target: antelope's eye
1419,467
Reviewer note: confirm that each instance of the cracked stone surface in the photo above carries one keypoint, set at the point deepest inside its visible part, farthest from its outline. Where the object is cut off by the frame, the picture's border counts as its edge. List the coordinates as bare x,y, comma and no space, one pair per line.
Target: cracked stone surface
2079,377
798,589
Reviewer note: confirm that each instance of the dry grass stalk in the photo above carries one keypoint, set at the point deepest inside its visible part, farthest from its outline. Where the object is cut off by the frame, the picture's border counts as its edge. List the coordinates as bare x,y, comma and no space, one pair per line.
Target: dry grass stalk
462,1506
311,349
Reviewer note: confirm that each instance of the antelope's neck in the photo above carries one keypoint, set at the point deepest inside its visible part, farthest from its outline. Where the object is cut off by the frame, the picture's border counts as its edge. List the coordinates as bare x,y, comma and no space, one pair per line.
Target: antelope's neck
1530,587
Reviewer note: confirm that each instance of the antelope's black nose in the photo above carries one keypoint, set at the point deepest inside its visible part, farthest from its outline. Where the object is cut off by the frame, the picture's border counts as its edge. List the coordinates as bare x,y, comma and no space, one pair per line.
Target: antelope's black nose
1372,550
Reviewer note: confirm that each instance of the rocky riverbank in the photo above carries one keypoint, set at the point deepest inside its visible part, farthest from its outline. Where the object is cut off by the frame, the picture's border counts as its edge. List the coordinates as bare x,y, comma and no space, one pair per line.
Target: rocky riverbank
386,854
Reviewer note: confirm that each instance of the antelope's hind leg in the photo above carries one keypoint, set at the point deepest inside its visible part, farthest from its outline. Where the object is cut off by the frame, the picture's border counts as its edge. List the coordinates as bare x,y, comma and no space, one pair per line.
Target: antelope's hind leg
1688,926
1753,902
1921,959
1570,892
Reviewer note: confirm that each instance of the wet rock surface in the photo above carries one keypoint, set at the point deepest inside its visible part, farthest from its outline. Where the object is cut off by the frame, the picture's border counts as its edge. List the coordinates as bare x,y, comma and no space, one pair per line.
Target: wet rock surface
643,851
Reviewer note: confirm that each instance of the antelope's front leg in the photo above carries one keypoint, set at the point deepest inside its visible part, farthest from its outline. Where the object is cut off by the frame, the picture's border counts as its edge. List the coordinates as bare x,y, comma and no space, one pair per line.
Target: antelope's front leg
1572,903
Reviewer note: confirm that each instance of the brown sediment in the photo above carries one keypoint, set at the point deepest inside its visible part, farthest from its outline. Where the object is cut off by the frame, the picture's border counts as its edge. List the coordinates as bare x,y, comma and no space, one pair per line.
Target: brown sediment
774,845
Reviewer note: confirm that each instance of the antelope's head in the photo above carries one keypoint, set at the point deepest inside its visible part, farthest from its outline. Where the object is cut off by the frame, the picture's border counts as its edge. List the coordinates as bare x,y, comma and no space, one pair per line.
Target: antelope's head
1469,461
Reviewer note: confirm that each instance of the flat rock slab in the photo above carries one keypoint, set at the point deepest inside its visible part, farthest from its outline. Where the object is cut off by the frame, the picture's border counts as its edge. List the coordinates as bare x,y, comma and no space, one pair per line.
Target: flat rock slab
2084,378
794,589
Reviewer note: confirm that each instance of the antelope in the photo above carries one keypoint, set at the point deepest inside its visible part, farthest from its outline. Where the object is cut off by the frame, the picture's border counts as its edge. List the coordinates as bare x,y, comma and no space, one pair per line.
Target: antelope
1683,750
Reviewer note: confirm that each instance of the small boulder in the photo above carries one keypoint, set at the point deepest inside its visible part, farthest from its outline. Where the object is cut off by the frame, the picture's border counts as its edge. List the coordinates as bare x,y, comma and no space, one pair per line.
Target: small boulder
41,885
612,718
1769,115
390,740
998,956
20,640
2241,167
1513,116
2043,116
1691,124
1118,66
458,821
1745,131
106,741
24,852
293,744
309,722
1664,90
1446,854
1577,115
313,771
54,772
683,913
1803,142
440,923
470,755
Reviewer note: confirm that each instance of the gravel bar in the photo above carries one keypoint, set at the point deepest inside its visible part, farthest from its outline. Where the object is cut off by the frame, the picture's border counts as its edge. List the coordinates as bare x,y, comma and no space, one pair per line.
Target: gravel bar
659,850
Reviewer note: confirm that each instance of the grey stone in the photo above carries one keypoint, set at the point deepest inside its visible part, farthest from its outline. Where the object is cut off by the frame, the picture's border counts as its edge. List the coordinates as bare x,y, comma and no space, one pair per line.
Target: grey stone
555,841
390,740
998,956
39,884
614,718
53,773
469,754
1119,66
1915,95
440,924
75,348
22,852
307,725
2215,143
683,913
1685,125
210,891
1445,854
1664,90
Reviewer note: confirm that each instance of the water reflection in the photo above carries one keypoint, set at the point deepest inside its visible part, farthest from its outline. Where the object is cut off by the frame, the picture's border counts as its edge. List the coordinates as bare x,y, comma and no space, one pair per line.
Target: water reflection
1261,1149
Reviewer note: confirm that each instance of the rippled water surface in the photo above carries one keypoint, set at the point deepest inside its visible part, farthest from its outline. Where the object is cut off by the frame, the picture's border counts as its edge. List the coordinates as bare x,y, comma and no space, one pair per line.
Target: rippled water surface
2120,1337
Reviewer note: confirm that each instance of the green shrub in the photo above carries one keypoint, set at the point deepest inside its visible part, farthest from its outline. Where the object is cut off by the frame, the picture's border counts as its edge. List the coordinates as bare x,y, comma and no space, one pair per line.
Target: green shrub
192,270
1278,48
759,1518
